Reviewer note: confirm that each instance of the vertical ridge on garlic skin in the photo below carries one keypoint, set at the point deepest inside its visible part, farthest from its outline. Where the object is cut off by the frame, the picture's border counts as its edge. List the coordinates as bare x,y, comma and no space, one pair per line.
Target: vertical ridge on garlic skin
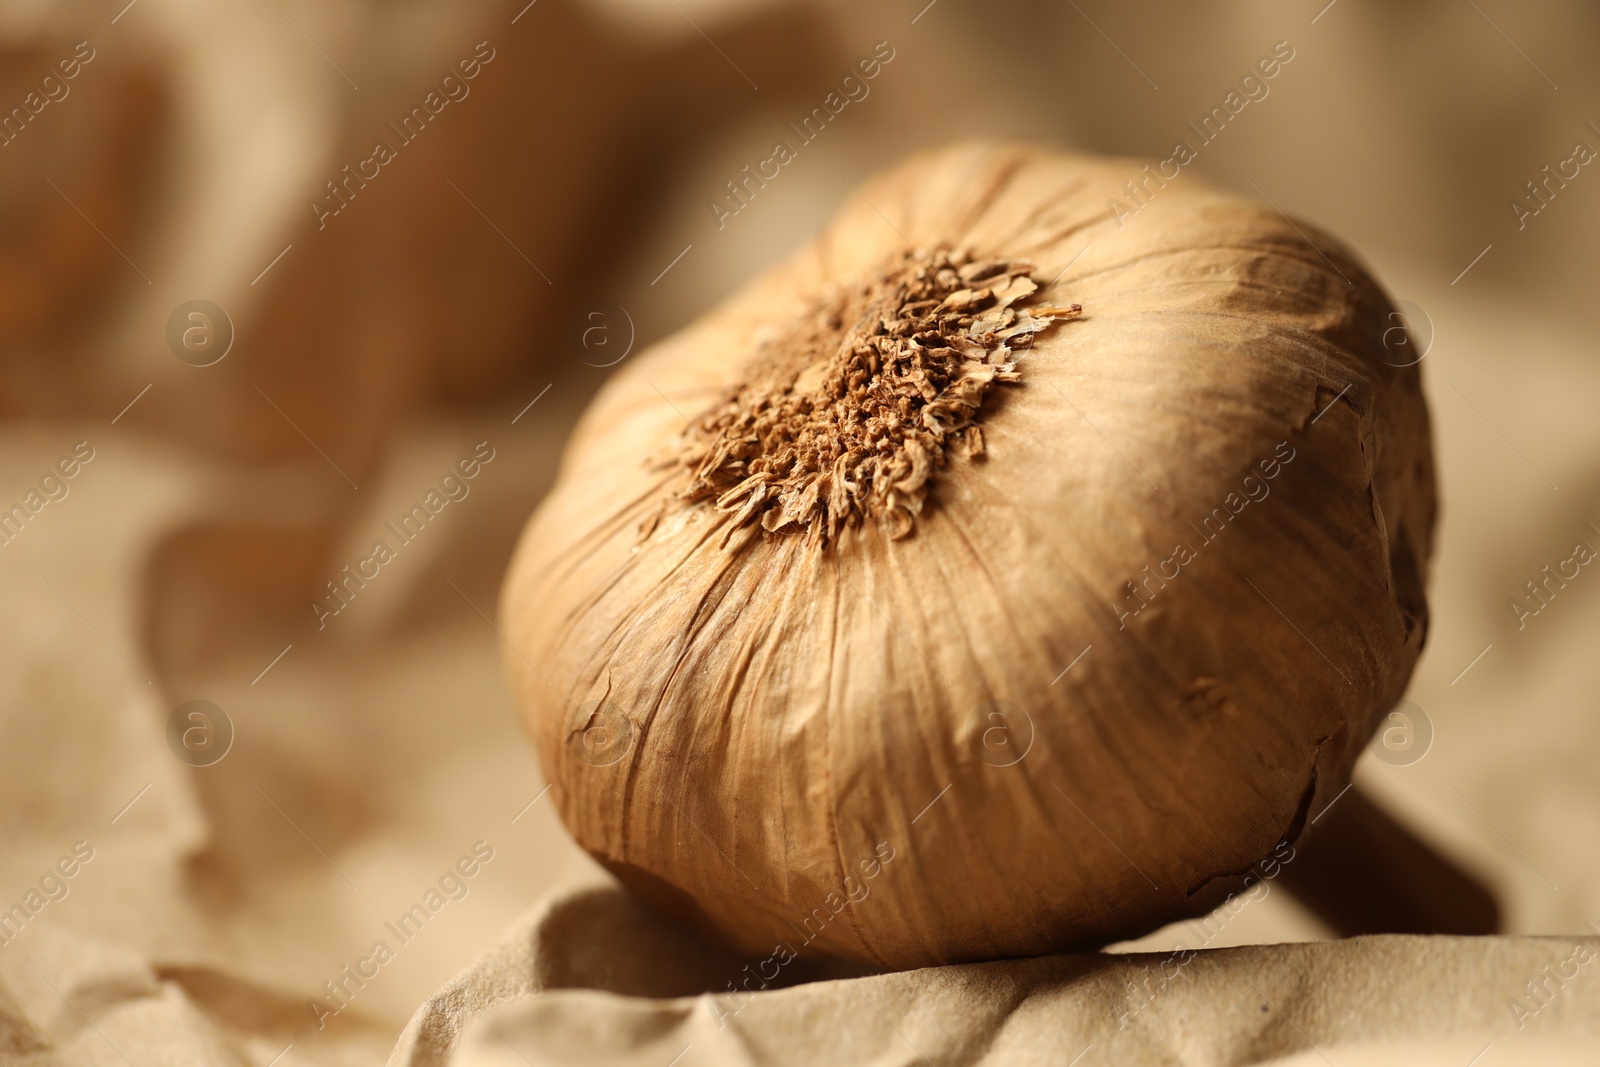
800,695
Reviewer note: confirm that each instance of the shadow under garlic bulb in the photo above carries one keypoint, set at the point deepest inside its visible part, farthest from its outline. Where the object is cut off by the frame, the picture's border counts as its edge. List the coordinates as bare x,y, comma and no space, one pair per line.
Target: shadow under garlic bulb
993,577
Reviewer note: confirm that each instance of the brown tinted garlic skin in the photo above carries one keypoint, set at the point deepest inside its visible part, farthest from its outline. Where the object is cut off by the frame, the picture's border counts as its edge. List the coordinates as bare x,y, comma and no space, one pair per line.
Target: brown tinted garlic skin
826,622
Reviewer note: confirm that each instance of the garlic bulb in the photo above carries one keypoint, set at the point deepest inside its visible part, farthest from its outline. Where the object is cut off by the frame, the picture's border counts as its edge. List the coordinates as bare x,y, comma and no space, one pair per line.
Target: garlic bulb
996,576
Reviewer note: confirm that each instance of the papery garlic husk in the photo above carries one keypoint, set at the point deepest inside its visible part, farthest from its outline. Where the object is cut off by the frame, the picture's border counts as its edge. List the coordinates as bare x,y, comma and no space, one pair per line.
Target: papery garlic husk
840,720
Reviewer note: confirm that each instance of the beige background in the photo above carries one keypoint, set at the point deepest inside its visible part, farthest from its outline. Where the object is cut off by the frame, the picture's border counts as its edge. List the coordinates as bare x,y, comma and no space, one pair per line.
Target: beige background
375,752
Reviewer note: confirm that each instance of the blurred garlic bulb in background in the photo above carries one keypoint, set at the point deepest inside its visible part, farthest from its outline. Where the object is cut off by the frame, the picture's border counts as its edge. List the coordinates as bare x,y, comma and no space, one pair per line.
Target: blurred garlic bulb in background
794,628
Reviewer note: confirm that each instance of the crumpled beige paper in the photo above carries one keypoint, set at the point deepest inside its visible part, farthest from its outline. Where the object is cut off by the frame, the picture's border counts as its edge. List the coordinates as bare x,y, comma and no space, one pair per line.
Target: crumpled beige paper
207,920
588,977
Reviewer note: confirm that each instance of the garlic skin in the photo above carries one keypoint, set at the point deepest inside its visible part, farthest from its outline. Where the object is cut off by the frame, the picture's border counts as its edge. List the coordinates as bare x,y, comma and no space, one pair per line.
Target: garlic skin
740,717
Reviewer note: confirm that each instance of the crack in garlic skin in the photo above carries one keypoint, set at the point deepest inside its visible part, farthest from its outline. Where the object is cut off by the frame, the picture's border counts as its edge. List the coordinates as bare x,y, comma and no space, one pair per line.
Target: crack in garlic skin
851,412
